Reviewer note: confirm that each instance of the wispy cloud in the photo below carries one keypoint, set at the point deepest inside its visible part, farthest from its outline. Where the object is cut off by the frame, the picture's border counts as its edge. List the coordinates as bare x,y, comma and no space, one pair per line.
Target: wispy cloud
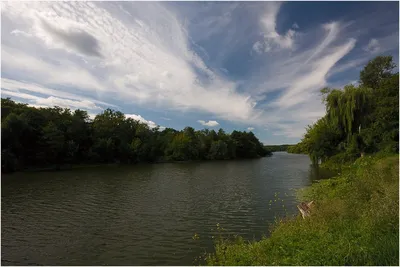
145,60
52,101
37,95
373,46
32,89
250,128
272,40
298,78
316,78
202,58
208,123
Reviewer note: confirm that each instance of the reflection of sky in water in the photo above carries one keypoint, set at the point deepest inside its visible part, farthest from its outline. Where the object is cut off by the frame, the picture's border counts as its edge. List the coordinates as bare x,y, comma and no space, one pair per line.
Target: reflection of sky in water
145,214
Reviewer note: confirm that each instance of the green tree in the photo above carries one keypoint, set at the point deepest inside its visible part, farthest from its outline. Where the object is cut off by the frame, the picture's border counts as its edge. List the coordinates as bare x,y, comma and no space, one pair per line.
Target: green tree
321,140
376,71
37,137
358,119
54,141
218,150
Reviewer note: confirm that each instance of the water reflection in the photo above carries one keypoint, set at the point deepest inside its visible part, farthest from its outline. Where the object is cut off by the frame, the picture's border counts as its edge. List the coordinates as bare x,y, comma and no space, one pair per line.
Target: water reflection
144,214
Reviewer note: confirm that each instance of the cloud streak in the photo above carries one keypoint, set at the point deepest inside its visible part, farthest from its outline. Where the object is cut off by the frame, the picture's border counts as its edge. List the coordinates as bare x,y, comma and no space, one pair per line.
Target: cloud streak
200,58
373,46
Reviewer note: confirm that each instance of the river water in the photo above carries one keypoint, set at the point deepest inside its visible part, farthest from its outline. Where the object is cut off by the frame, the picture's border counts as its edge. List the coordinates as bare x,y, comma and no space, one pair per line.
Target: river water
143,214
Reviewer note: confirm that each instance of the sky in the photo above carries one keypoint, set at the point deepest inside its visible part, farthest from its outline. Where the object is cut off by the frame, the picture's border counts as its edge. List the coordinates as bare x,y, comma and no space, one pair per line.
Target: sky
248,66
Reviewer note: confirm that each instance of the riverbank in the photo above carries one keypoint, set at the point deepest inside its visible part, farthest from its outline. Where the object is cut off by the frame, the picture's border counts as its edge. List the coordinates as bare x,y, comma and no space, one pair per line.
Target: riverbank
355,221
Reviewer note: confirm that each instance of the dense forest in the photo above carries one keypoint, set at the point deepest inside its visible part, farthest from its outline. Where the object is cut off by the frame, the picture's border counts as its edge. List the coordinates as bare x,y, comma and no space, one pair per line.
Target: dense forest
359,119
276,148
40,137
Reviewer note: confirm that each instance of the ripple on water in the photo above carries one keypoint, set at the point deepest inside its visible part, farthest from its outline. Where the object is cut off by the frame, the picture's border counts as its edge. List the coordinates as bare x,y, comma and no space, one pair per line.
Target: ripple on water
141,215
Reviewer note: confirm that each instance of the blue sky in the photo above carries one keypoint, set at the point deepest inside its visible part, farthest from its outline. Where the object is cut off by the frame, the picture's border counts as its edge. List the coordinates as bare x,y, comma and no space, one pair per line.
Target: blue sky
234,65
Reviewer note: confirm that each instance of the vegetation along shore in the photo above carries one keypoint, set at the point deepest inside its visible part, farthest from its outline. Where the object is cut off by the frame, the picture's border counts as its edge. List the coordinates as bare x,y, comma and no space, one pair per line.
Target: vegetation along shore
355,216
43,138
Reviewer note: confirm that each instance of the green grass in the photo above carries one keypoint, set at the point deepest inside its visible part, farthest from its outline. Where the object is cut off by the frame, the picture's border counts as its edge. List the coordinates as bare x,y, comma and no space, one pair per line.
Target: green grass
355,221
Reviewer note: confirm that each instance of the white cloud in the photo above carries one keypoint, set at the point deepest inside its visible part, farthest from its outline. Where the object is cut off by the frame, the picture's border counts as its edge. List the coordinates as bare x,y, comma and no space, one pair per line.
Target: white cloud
145,54
208,123
17,86
258,47
52,101
272,40
298,78
19,32
373,46
316,79
38,70
250,128
351,64
333,31
92,116
145,60
151,124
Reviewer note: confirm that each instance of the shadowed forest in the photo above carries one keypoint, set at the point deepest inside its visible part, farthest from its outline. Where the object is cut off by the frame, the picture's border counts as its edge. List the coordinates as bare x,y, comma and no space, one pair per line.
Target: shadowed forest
41,137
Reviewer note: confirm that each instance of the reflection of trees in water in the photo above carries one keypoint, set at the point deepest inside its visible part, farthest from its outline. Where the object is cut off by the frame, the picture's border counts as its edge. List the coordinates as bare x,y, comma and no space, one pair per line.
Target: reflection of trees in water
318,173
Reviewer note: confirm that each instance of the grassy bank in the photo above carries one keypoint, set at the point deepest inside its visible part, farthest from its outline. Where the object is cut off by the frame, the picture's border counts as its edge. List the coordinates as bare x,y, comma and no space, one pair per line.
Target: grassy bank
355,221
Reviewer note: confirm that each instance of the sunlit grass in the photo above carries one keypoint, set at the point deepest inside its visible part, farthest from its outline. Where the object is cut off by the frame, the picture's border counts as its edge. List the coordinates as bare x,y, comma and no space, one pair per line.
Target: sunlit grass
355,221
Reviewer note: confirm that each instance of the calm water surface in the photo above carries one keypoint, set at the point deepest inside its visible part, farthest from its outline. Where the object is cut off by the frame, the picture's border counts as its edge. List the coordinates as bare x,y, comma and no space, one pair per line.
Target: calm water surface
144,214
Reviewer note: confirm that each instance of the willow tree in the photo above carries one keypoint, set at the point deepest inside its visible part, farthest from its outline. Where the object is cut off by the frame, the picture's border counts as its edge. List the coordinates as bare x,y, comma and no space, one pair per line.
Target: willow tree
348,108
321,140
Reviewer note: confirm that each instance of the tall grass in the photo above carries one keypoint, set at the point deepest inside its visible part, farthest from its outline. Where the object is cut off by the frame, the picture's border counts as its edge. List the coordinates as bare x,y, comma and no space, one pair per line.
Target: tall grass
355,221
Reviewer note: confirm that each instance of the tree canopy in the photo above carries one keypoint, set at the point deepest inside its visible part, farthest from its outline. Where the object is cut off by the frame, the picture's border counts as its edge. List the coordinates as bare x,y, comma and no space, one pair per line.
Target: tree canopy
40,137
274,148
359,119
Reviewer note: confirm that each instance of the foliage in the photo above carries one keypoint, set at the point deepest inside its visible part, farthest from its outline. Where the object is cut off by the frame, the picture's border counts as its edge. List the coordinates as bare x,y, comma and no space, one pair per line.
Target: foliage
359,119
41,137
275,148
354,222
377,71
297,149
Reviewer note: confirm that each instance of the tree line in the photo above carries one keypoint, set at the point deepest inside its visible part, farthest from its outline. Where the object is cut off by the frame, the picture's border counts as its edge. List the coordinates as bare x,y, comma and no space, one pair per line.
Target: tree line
39,137
276,148
359,119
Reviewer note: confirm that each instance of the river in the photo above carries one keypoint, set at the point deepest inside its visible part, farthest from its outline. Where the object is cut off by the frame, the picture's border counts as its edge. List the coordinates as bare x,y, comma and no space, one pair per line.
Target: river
143,214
